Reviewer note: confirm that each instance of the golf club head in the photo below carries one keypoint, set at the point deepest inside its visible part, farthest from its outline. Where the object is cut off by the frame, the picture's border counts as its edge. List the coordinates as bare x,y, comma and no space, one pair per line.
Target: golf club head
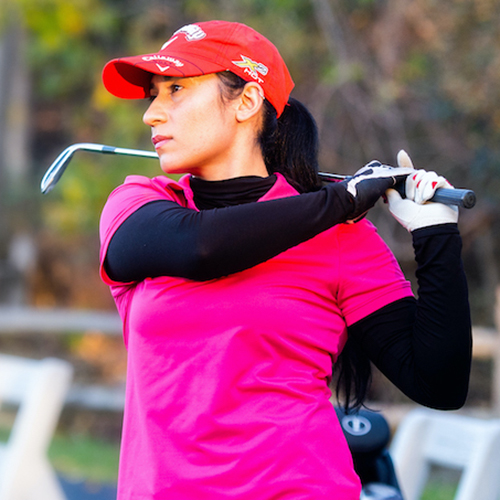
55,171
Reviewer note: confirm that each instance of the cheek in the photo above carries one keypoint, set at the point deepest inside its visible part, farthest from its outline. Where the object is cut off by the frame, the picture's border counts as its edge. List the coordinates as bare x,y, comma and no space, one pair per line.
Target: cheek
204,131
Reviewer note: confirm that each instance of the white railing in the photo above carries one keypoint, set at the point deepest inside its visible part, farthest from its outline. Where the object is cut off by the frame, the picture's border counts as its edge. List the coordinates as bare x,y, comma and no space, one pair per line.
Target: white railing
62,321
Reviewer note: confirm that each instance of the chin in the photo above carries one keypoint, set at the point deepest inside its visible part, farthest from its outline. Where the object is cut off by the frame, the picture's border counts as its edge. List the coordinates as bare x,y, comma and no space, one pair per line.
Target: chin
170,169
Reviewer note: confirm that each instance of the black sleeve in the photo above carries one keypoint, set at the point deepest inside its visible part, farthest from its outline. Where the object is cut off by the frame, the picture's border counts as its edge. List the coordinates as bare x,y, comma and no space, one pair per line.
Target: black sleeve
164,239
425,347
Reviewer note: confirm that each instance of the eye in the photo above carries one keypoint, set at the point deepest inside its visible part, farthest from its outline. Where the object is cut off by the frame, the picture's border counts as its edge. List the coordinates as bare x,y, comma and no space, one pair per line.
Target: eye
153,93
175,88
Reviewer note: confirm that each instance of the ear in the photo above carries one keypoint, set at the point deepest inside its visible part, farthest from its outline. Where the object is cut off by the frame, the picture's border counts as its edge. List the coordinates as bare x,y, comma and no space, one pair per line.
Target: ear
250,101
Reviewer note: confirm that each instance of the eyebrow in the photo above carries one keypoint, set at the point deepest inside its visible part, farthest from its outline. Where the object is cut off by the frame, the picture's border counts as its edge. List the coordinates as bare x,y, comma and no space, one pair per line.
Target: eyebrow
163,78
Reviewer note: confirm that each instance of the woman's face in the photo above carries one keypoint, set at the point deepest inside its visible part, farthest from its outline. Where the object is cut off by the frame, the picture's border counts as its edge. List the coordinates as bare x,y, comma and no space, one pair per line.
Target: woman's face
193,129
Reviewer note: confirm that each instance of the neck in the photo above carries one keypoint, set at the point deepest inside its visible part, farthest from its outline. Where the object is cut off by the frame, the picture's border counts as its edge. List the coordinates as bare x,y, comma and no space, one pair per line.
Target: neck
243,158
226,172
240,166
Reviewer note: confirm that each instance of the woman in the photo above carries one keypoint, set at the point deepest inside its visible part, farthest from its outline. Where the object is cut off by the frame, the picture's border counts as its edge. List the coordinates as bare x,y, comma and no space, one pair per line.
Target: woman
234,310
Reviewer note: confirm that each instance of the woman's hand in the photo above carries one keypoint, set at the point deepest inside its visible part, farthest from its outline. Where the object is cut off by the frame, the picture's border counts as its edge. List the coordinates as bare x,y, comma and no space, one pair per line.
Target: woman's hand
415,211
369,183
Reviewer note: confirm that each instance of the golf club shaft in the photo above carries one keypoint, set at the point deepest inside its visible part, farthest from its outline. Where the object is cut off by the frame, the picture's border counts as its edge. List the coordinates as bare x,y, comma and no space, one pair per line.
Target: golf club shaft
461,197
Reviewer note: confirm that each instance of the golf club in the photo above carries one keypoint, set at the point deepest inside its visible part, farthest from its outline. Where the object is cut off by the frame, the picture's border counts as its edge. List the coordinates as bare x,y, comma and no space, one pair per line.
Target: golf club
56,170
462,197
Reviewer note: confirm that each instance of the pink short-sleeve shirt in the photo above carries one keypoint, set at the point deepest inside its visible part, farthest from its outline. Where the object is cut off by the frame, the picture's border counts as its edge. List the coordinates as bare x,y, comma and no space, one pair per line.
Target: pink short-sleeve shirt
227,384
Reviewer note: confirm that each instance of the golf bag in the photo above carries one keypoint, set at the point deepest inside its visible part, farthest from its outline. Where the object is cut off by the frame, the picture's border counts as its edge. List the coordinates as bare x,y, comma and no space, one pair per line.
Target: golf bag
368,434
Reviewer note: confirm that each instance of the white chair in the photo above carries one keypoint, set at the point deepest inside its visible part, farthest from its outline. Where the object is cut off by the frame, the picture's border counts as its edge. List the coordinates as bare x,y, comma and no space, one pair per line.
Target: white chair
427,437
38,389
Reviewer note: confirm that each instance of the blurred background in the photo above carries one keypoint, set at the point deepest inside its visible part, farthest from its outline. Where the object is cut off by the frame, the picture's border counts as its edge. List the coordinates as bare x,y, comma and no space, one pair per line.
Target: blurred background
378,75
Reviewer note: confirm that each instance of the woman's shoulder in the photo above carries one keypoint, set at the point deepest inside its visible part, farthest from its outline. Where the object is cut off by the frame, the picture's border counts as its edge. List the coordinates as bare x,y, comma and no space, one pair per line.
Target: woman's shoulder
136,191
360,229
161,182
140,186
359,237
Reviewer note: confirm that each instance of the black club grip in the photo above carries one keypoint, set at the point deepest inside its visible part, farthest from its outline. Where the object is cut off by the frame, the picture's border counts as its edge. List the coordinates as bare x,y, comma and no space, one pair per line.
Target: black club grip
465,198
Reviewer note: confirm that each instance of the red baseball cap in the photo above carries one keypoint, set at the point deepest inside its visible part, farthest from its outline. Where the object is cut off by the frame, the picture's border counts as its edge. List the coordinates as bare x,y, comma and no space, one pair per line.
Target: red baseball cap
200,49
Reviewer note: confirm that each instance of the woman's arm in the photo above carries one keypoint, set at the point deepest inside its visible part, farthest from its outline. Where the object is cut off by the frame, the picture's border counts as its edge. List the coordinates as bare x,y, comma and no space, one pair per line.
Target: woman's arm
424,347
164,239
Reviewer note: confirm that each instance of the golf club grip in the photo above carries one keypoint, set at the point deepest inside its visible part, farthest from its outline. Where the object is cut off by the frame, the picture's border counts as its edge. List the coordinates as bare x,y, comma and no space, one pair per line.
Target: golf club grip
464,198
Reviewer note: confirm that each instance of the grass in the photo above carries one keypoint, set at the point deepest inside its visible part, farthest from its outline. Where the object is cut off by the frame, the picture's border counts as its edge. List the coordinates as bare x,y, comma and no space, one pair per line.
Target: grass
442,483
85,458
81,457
437,490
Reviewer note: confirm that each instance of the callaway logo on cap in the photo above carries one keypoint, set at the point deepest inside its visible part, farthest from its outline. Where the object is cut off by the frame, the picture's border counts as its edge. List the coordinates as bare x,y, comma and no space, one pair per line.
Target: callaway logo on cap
200,49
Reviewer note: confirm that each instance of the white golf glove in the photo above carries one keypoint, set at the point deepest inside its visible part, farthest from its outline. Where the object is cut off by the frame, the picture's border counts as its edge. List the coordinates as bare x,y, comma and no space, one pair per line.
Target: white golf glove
369,183
415,211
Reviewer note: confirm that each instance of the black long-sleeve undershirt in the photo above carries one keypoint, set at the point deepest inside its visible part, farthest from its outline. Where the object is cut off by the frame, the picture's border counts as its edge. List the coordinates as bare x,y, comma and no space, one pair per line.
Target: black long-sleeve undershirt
423,346
164,239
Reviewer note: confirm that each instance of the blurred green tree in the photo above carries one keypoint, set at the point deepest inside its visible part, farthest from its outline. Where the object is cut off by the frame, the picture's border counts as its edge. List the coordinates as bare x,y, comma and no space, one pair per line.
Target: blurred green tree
378,75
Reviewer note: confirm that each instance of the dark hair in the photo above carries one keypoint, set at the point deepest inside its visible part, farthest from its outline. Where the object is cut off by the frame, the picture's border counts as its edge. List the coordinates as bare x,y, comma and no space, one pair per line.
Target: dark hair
353,371
289,145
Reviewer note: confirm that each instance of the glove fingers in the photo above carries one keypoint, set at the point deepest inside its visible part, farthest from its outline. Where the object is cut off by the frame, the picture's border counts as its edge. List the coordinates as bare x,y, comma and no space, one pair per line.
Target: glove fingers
412,181
404,159
427,185
370,183
368,168
430,186
422,185
413,212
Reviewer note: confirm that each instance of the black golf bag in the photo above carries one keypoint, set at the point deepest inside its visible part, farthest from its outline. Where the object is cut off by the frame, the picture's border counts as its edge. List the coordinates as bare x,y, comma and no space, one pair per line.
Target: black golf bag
368,434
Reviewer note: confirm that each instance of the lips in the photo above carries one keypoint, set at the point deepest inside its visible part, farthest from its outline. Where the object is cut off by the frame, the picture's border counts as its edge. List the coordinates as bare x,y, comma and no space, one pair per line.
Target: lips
159,141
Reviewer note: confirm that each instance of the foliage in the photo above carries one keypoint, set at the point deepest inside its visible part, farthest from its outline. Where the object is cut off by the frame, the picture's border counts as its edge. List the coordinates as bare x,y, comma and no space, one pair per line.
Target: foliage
378,75
417,67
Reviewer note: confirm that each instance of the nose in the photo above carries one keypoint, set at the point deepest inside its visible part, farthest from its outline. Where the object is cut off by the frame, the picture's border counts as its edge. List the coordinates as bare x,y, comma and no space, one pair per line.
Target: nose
155,114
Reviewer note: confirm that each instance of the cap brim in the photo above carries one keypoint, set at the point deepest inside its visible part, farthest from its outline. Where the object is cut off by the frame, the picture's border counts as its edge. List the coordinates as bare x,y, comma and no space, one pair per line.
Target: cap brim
130,77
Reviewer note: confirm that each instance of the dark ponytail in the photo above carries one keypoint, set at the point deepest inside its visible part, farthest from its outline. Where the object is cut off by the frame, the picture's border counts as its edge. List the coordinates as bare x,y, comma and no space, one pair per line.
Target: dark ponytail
289,143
